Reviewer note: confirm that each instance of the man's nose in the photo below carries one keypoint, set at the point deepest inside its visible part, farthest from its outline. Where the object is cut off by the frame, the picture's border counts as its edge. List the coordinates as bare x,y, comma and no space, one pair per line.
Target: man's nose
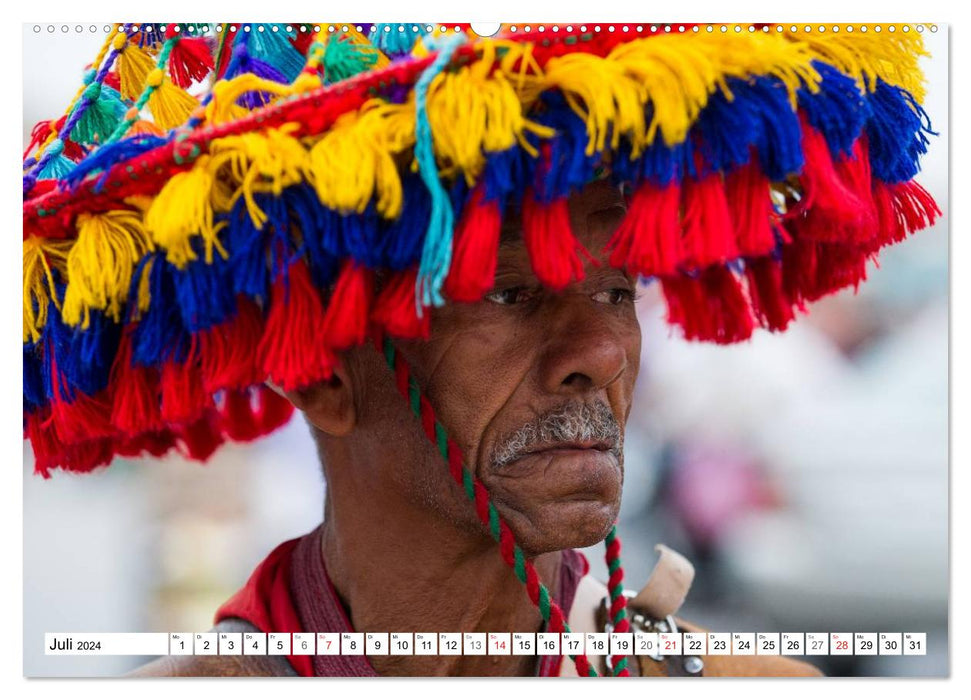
583,350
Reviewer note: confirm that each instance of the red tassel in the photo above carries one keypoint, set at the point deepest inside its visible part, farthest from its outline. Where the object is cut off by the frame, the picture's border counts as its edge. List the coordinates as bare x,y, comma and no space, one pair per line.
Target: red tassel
151,443
198,440
51,453
83,417
831,211
302,41
275,410
709,237
184,398
711,307
47,448
85,457
229,351
750,205
42,130
812,270
135,408
798,270
854,171
113,81
190,61
395,309
476,250
771,306
248,415
648,240
346,321
902,209
294,350
553,249
237,419
838,266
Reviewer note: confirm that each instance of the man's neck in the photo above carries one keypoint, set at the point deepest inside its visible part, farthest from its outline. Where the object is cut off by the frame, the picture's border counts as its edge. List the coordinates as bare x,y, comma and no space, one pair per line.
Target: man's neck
422,574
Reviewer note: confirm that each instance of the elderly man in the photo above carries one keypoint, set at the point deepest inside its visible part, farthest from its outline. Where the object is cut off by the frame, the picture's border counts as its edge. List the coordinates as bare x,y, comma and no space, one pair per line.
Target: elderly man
536,387
512,191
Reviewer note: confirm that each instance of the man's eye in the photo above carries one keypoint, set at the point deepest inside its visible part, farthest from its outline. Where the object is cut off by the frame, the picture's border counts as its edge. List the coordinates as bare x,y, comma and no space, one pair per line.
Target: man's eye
510,295
615,296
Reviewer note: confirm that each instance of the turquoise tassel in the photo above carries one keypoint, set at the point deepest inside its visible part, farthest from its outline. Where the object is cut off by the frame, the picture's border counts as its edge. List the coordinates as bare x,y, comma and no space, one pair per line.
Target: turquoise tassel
102,114
436,254
274,48
58,166
344,59
393,42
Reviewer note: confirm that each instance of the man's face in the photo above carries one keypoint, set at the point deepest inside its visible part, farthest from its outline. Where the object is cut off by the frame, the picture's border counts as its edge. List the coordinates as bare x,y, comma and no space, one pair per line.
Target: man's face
535,386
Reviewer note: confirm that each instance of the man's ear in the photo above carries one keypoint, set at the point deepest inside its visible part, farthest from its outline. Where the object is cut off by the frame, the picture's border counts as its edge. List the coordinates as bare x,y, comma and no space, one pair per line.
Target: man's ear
329,404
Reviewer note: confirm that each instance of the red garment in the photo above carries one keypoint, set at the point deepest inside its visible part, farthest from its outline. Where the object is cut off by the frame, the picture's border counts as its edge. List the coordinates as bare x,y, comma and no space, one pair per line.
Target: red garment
291,592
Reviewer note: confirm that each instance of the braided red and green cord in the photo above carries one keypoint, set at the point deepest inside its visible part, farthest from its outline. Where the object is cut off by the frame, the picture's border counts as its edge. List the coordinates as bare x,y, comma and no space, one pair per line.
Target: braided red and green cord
512,554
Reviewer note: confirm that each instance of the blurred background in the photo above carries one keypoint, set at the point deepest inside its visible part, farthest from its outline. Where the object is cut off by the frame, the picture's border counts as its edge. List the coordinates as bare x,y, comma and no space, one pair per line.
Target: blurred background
804,474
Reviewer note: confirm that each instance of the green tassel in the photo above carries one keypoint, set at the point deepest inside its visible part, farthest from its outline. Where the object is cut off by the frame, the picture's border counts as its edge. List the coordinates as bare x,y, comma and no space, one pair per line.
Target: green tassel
101,116
344,59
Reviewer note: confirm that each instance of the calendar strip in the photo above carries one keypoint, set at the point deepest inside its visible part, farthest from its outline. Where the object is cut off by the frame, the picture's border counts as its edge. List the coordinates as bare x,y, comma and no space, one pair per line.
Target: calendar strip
486,644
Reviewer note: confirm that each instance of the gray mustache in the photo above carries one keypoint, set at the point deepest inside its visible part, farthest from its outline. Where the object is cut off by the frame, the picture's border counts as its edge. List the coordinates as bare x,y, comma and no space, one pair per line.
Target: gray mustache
569,423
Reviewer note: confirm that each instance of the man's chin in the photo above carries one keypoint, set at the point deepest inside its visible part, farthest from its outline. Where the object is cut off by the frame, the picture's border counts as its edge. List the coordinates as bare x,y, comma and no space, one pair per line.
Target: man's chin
567,524
558,499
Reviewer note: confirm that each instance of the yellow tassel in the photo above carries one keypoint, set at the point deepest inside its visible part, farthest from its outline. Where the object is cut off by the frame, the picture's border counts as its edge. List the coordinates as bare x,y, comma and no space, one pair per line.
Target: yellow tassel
256,162
40,256
355,160
223,107
144,298
604,95
182,209
891,56
101,264
170,105
475,110
134,65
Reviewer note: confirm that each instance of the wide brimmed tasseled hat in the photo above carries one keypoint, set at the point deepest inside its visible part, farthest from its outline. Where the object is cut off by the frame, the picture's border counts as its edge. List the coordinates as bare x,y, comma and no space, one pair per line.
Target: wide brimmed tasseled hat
211,212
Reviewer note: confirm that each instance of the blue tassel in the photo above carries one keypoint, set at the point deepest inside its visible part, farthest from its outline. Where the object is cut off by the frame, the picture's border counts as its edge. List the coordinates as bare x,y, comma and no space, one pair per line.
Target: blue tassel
759,116
658,164
203,291
105,157
160,334
838,111
437,248
569,168
396,43
897,132
274,49
277,239
84,357
401,240
507,172
320,230
359,232
247,254
149,35
34,396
